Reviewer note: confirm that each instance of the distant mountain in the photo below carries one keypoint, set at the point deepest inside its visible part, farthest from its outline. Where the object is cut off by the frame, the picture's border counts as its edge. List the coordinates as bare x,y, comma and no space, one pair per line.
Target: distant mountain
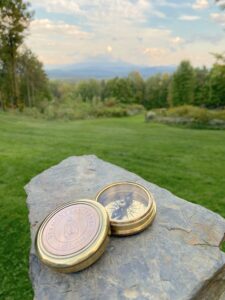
103,67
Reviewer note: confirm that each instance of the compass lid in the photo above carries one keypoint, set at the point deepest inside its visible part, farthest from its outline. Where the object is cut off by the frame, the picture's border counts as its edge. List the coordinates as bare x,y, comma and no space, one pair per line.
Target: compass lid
131,207
73,236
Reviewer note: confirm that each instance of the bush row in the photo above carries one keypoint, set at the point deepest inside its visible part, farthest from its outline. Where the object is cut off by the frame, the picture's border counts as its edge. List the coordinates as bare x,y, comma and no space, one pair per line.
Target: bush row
188,114
75,110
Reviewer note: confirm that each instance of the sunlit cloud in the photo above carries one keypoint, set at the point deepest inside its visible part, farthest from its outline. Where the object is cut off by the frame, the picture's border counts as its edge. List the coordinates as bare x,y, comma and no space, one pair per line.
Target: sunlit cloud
109,48
58,6
177,40
168,3
155,52
201,4
189,18
218,18
123,8
46,26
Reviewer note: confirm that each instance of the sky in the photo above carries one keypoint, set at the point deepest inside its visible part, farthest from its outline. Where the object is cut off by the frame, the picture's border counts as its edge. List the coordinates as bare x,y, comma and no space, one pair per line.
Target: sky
140,32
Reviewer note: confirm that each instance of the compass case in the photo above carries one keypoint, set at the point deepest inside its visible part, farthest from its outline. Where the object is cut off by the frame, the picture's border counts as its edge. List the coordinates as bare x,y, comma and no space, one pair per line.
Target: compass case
131,207
73,236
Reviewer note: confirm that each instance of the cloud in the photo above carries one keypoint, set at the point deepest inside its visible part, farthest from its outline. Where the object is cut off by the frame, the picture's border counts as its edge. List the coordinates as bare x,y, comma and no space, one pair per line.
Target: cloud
173,4
177,41
53,41
59,6
85,8
57,42
189,18
155,52
200,4
218,18
119,28
58,28
109,49
205,37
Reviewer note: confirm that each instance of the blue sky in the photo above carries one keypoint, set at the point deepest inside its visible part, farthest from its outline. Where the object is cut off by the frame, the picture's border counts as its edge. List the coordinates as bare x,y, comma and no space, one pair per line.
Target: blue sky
142,32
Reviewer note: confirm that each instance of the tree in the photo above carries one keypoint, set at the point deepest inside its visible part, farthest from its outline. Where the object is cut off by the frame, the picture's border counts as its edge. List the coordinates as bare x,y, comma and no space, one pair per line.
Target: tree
14,20
33,81
138,86
217,83
120,89
201,87
88,89
182,89
157,91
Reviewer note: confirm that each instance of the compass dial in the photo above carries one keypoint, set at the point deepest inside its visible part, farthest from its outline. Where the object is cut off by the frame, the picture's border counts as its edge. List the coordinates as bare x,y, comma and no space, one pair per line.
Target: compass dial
125,202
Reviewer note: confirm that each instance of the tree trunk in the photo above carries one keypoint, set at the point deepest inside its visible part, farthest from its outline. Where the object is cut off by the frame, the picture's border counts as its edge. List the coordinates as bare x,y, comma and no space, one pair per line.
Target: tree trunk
32,93
13,75
28,90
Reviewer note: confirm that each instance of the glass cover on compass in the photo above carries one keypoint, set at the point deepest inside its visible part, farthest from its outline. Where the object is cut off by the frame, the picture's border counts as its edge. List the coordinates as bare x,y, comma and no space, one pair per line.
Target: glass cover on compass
125,202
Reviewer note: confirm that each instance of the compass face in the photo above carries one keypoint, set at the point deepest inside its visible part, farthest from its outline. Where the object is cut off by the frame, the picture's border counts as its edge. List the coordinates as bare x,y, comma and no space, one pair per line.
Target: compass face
125,202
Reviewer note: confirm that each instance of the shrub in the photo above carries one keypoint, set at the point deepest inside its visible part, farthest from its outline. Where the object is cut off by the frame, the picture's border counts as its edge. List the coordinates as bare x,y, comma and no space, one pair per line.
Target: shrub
74,109
32,112
218,114
109,102
191,114
116,111
198,114
134,109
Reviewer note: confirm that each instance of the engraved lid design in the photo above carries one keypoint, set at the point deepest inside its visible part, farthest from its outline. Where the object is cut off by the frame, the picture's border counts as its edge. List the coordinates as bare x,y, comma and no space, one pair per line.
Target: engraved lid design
71,229
73,236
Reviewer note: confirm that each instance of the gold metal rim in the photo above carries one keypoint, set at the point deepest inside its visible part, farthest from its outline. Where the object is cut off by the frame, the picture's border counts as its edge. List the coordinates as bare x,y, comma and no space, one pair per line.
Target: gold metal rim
124,228
141,226
84,258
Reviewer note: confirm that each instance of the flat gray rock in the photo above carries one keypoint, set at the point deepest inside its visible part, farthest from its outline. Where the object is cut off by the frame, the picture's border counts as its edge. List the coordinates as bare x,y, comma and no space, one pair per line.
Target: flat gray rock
177,258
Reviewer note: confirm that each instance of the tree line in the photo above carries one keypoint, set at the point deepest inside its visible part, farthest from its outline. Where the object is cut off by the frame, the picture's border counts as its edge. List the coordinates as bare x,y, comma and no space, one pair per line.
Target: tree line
187,85
23,81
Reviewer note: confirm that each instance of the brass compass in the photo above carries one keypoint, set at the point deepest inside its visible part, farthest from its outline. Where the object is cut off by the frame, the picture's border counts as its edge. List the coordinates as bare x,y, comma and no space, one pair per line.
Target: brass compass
76,234
130,206
73,236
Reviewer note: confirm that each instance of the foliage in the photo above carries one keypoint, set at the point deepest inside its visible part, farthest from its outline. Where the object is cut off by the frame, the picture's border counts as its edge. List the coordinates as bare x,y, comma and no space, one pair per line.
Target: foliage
194,114
217,83
14,20
182,89
187,86
23,81
156,91
201,86
137,86
188,162
189,111
33,81
75,109
119,88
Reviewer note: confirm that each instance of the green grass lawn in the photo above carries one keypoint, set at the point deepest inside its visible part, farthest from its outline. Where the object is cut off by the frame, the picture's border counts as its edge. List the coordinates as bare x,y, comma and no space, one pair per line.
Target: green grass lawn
188,162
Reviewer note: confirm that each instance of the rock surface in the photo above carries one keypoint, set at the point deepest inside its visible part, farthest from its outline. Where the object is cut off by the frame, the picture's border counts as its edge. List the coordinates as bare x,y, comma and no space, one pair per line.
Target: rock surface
177,258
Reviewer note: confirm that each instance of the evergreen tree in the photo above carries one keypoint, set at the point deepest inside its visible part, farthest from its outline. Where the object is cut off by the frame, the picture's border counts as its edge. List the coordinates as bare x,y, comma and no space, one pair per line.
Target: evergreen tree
138,87
217,83
157,91
182,89
201,88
